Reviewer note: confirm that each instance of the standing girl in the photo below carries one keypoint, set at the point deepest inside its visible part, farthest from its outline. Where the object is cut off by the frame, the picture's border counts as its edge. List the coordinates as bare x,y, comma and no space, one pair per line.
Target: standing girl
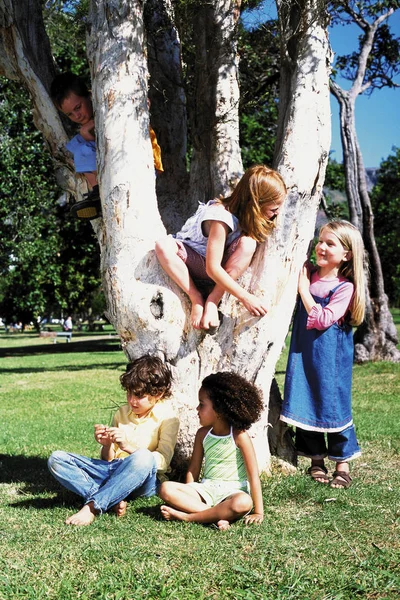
217,243
317,397
228,405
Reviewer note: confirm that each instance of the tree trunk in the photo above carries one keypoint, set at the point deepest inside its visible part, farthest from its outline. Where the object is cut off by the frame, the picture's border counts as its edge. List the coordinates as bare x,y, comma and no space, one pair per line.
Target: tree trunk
168,112
216,162
376,338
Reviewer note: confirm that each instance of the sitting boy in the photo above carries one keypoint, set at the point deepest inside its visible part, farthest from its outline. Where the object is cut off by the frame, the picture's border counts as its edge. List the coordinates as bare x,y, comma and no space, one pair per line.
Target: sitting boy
71,96
136,450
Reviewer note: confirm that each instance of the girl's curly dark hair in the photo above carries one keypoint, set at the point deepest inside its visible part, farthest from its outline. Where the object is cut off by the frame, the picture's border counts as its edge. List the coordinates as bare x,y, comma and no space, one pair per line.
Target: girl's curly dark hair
237,400
147,376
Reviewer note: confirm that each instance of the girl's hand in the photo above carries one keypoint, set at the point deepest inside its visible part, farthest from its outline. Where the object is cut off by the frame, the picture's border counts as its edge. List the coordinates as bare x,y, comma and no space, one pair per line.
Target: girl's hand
118,437
304,278
102,435
256,306
255,518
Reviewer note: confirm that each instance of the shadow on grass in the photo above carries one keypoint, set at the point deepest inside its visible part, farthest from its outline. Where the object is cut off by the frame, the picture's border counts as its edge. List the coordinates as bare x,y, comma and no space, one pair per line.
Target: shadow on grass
31,474
85,367
83,345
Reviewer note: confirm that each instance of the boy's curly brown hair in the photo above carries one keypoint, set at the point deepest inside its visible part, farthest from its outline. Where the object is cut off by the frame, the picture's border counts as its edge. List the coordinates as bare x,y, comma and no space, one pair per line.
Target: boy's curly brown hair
237,400
147,376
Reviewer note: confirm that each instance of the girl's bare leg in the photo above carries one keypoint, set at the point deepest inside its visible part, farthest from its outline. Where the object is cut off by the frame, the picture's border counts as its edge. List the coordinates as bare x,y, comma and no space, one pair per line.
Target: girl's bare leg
235,266
225,512
181,496
167,254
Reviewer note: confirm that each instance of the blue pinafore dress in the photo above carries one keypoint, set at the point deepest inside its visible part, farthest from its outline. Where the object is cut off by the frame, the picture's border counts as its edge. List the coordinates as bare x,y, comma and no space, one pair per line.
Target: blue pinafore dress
317,394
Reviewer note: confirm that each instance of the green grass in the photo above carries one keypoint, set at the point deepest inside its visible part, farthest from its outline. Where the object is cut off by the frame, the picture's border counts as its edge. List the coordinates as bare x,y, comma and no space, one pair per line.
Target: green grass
315,542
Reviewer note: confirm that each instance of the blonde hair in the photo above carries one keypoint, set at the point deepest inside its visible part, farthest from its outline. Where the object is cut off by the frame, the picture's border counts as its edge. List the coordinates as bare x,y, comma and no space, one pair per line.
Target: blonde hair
354,268
258,187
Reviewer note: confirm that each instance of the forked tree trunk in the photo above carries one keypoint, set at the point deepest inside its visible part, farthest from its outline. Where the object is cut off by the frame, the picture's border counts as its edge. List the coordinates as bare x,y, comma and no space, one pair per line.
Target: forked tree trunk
149,312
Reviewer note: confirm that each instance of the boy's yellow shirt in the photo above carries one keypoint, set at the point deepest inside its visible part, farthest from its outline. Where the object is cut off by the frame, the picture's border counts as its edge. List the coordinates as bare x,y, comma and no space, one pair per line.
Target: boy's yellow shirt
158,432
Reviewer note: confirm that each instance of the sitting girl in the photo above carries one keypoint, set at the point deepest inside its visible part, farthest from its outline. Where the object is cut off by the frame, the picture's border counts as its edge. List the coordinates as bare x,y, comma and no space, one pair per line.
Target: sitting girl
228,405
218,242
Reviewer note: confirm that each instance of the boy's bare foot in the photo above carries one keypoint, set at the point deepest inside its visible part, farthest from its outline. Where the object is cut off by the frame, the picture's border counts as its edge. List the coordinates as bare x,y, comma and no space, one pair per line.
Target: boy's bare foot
171,514
120,508
196,314
210,316
223,525
83,517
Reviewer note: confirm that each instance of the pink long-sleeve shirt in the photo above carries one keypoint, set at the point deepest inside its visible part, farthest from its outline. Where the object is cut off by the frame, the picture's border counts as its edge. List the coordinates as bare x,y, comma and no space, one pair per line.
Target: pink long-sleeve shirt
321,318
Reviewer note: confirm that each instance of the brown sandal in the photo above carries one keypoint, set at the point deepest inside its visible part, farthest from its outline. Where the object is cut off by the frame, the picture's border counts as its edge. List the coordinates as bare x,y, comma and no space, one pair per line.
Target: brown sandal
341,479
318,472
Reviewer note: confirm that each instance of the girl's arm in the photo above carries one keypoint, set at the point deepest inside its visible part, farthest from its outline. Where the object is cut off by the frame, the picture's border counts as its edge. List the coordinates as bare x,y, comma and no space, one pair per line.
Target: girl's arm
304,289
245,445
318,317
218,233
196,461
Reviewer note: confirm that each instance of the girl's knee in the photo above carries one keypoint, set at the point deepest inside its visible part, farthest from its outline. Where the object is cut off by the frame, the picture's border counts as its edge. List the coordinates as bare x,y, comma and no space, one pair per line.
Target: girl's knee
246,245
166,490
241,504
165,247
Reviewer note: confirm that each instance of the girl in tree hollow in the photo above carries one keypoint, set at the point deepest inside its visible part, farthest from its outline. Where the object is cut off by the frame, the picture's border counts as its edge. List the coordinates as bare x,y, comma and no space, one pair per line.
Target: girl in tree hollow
317,396
228,405
217,244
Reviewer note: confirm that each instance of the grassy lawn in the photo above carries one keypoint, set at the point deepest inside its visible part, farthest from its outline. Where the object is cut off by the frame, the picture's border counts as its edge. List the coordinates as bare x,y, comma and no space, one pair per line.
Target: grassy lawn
315,542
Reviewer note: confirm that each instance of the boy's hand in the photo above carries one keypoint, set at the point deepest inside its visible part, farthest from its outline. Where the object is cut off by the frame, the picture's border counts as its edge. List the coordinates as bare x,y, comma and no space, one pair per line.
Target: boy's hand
118,437
102,435
87,131
255,518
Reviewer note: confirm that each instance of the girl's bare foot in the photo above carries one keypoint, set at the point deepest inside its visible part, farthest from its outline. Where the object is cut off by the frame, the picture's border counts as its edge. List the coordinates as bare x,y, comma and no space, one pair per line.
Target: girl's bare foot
83,517
223,525
210,316
120,508
319,473
171,514
196,314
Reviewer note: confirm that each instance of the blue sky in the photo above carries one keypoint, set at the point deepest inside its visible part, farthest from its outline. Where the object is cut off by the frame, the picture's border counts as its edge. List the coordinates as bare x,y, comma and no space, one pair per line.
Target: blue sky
377,116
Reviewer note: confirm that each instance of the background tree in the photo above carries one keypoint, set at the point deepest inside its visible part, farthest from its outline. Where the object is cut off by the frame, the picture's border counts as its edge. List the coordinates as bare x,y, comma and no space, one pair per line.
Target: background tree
374,65
386,205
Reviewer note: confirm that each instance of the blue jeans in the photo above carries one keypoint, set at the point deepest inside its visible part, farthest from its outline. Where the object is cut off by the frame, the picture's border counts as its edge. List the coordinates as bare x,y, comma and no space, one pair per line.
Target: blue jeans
105,483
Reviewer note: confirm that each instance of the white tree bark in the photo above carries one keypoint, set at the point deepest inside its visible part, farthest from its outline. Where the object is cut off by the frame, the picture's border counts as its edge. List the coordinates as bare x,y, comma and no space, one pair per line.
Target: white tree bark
149,312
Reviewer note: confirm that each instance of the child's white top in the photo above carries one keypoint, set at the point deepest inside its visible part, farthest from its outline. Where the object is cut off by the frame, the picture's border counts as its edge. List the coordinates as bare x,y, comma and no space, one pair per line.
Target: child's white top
192,232
322,318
